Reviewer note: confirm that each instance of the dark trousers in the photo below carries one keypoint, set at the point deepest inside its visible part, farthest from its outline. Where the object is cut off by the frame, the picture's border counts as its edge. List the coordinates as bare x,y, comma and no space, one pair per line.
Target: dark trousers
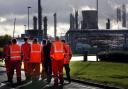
67,69
48,70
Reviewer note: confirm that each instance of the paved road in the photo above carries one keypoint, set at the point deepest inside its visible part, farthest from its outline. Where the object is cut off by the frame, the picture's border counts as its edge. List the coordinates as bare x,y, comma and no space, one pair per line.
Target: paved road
40,84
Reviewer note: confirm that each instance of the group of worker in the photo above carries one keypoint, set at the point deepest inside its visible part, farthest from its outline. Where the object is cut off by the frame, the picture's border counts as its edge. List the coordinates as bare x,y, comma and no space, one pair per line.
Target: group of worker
52,55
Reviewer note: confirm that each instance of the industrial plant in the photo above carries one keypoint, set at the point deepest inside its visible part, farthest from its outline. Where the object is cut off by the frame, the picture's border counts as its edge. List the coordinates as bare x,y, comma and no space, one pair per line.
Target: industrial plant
90,38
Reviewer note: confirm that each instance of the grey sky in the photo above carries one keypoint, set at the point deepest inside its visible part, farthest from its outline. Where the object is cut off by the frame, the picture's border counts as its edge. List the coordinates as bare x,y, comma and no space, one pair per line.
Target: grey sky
10,9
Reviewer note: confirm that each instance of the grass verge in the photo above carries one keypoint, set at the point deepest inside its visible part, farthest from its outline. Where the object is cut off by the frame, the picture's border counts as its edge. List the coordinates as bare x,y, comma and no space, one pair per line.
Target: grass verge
101,72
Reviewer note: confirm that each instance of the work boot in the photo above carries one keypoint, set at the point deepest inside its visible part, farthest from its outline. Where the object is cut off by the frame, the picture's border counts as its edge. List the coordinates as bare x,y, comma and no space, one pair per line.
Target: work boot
10,84
56,82
49,79
61,81
28,78
18,80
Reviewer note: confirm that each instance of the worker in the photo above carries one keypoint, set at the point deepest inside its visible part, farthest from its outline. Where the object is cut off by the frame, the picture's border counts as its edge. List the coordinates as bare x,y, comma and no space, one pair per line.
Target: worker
25,49
35,60
67,60
43,73
47,59
15,59
7,59
57,55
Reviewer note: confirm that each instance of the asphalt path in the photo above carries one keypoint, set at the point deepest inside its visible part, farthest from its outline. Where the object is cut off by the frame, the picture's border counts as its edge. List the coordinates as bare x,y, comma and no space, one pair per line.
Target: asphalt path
41,84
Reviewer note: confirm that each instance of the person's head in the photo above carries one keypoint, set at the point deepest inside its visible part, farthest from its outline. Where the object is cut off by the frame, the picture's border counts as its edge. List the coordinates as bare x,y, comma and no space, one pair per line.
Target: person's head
14,41
25,39
57,38
44,41
63,41
9,42
48,41
35,41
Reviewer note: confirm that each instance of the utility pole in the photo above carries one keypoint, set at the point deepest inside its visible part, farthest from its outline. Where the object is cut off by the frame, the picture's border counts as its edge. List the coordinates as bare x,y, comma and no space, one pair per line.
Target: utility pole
55,25
97,26
14,27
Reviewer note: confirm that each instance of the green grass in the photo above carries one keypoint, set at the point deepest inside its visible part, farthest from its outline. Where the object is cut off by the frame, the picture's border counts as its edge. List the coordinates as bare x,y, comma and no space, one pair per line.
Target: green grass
103,72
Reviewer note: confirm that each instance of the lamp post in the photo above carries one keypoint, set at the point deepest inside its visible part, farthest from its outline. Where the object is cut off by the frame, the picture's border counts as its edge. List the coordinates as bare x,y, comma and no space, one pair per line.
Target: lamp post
97,13
25,27
14,27
28,16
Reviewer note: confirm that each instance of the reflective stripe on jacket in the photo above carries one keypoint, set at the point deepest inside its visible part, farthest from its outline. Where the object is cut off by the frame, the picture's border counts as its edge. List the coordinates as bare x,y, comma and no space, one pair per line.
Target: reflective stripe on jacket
58,50
15,52
35,54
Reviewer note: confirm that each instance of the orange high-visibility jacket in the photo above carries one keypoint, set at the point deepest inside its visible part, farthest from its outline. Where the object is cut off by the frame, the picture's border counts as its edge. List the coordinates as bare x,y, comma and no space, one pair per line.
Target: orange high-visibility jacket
25,48
35,54
6,52
15,52
68,54
57,50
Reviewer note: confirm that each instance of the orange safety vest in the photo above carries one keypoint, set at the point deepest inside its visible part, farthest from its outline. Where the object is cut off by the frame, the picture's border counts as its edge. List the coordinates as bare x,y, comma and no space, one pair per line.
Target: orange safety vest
68,54
15,52
35,54
25,48
58,53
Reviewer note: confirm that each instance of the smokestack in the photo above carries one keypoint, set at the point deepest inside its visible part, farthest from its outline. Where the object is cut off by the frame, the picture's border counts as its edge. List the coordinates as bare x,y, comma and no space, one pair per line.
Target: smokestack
45,27
72,22
123,15
118,14
108,24
76,19
55,25
35,23
39,15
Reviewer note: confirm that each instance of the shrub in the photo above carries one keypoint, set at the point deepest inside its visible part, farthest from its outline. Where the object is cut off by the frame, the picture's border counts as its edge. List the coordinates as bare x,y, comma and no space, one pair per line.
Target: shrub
115,56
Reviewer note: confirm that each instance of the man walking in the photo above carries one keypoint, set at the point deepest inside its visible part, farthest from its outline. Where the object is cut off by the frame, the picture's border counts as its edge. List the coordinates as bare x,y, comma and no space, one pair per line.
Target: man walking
47,60
25,48
35,60
15,59
57,55
7,59
68,55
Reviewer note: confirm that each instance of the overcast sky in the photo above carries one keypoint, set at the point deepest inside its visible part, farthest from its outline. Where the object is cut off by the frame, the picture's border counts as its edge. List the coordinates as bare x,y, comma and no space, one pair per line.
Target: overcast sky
10,9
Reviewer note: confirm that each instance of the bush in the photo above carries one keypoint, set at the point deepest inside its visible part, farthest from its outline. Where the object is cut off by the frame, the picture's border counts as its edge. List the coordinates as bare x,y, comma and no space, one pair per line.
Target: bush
1,53
116,56
4,40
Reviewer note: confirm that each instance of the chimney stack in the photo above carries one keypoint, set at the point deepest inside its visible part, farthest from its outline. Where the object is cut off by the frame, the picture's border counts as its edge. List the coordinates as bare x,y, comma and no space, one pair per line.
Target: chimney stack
35,23
76,19
39,15
72,20
45,27
55,25
108,24
124,15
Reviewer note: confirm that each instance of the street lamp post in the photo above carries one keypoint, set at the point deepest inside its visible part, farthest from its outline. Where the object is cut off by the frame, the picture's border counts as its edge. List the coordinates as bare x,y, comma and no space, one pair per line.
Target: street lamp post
14,27
97,13
28,16
25,27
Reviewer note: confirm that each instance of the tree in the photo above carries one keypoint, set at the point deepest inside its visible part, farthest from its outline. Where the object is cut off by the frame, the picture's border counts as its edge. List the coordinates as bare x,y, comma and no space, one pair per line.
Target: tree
4,40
